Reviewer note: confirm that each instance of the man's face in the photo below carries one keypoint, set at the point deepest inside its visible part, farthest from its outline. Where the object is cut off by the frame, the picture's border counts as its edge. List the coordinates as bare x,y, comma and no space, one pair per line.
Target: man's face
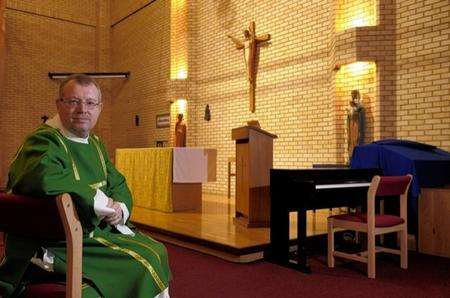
76,109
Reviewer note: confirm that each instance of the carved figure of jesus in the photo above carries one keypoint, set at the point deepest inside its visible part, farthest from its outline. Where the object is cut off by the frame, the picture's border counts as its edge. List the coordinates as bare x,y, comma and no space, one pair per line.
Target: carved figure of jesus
249,45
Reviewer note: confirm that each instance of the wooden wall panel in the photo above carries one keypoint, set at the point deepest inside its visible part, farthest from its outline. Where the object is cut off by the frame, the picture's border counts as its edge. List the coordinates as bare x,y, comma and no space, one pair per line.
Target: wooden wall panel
434,222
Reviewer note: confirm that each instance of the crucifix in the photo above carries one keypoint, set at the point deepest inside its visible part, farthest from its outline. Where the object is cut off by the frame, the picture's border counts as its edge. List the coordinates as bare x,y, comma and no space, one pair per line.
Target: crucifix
44,118
249,45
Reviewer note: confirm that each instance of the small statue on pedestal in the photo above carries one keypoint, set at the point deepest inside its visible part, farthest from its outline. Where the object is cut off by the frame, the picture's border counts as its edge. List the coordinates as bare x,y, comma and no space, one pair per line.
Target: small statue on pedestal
180,132
355,123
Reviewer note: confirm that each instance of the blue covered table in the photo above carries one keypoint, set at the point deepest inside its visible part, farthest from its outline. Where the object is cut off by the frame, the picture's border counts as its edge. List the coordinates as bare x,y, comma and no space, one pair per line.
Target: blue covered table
429,165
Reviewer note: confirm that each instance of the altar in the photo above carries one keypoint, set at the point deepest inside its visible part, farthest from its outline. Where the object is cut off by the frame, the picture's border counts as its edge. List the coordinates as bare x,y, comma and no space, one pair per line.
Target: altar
166,179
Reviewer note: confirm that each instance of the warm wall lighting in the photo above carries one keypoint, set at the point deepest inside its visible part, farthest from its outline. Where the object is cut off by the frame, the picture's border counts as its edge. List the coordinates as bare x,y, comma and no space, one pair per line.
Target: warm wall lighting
181,105
358,22
356,13
181,74
357,68
360,75
178,39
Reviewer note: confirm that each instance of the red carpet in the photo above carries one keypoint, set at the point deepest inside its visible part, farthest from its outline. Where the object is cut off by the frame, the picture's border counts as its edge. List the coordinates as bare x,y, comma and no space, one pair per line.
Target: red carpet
198,275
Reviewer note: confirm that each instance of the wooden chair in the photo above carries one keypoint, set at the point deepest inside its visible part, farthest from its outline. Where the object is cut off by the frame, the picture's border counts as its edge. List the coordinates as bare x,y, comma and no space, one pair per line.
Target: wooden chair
230,174
52,219
375,224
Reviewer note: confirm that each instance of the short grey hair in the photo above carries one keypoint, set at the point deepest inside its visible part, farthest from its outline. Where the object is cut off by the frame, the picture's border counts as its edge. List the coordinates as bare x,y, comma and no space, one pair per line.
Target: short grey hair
82,80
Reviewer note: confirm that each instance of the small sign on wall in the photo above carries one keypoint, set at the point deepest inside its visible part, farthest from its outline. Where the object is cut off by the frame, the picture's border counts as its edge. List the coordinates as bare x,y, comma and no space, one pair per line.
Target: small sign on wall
162,120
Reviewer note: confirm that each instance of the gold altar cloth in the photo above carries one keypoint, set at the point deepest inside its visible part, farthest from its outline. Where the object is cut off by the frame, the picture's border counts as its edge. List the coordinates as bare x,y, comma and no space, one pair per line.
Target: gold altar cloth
149,176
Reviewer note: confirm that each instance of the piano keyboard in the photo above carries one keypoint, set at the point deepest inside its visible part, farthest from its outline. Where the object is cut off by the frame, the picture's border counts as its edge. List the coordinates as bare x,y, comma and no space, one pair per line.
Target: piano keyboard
342,185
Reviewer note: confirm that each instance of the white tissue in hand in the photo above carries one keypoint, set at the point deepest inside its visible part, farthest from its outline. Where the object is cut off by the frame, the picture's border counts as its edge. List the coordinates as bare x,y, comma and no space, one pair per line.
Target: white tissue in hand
104,211
125,230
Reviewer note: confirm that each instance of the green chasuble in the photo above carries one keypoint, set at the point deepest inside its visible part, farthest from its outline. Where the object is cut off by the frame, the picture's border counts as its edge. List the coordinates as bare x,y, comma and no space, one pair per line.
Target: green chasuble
114,265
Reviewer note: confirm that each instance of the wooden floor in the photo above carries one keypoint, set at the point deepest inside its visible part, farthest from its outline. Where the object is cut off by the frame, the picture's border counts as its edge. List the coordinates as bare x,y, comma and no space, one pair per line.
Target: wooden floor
211,230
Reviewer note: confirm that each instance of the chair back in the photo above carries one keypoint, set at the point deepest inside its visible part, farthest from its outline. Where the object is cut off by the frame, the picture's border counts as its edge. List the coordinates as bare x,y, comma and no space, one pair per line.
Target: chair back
393,185
52,218
30,217
387,186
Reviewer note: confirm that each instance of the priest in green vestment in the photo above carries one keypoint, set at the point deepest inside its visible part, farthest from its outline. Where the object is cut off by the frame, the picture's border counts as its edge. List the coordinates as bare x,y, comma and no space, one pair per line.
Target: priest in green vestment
63,156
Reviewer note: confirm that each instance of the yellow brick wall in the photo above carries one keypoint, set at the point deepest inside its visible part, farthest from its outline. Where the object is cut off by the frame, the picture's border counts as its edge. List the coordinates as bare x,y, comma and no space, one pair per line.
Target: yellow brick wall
374,44
102,63
2,73
298,96
292,93
43,36
120,9
141,43
423,71
355,13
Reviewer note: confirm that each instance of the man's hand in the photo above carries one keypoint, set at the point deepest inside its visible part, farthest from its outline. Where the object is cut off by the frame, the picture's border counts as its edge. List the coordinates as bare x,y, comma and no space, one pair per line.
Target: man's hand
116,217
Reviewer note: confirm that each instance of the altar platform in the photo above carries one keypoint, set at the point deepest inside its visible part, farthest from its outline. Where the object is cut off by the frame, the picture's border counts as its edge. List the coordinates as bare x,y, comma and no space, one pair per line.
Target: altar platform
211,230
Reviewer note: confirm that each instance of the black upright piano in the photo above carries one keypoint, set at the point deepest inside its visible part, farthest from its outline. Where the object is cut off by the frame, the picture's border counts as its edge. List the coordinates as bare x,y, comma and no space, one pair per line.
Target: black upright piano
309,189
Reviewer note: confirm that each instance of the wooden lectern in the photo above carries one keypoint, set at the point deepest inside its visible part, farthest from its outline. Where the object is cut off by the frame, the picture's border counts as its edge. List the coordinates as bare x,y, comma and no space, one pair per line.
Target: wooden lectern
254,159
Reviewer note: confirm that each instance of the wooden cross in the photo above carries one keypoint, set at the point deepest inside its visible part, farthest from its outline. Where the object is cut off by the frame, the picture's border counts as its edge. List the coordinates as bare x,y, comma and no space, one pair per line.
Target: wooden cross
249,44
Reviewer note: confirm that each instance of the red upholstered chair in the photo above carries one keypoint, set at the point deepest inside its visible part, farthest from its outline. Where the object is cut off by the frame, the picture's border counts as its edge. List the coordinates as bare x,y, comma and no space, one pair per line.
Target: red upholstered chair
53,219
375,224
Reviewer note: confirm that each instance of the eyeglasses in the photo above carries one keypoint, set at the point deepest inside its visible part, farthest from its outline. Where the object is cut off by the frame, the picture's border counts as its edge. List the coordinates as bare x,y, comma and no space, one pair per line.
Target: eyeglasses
75,102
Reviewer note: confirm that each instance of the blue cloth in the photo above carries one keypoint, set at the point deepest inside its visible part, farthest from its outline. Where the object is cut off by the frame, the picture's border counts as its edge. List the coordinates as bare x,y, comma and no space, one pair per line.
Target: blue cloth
429,165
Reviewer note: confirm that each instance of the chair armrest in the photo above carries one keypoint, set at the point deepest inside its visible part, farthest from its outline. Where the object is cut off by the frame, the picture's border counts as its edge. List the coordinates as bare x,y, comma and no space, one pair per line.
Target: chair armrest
74,240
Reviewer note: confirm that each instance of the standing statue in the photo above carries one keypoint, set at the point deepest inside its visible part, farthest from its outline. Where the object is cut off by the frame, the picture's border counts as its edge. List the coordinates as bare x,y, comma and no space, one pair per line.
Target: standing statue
207,113
355,123
180,132
249,44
